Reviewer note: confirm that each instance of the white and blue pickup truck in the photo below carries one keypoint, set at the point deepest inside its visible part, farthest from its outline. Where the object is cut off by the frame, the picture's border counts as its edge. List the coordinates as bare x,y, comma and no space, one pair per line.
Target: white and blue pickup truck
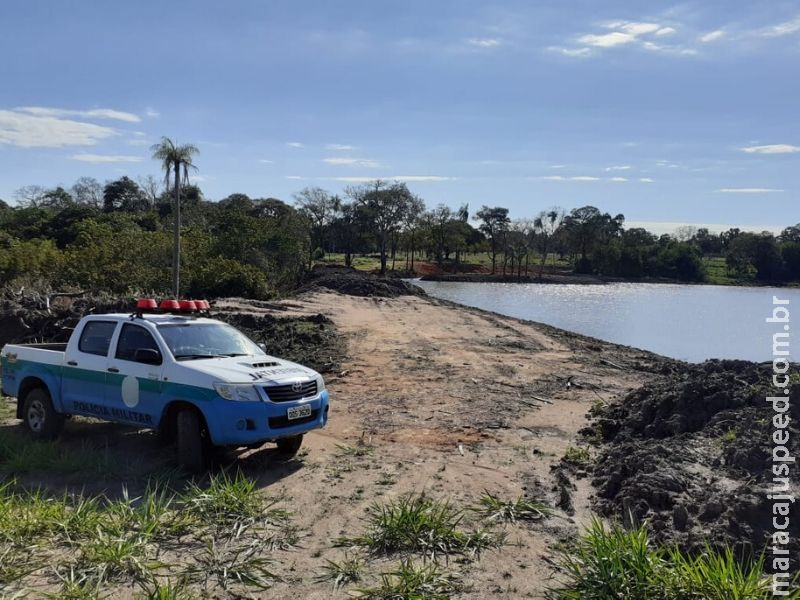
196,380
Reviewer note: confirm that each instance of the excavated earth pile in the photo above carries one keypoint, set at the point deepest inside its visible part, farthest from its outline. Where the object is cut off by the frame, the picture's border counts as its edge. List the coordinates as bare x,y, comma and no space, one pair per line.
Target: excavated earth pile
692,455
352,282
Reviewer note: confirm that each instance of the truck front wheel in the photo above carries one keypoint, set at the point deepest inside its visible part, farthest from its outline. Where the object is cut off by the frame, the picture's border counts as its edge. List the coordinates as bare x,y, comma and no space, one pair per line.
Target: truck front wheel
191,455
40,417
289,446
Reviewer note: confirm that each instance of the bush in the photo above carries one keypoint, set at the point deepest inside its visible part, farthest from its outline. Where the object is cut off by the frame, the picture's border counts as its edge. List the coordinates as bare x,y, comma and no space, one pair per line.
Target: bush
220,277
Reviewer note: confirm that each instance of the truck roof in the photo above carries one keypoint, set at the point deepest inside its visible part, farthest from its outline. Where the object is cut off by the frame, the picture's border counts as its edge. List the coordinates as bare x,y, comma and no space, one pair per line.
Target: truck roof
157,319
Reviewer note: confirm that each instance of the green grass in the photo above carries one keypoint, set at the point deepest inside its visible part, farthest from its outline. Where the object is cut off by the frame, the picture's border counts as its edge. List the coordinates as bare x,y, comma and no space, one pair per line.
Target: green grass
716,270
342,572
231,503
99,543
412,582
418,524
578,457
609,562
510,511
232,565
360,449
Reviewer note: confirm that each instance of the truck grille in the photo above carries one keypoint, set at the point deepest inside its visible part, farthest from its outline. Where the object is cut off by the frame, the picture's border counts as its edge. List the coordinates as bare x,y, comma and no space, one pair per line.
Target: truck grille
279,422
285,393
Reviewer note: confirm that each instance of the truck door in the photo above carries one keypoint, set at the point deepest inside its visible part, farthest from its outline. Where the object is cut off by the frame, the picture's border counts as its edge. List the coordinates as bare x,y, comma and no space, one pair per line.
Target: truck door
133,385
83,380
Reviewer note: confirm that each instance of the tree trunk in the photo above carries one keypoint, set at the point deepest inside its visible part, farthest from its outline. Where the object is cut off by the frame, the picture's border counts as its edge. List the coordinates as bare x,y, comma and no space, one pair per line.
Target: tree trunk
176,248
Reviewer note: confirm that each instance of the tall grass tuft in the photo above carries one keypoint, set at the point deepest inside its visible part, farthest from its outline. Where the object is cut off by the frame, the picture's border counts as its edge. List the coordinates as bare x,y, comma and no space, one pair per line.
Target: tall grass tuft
511,511
416,523
411,582
609,563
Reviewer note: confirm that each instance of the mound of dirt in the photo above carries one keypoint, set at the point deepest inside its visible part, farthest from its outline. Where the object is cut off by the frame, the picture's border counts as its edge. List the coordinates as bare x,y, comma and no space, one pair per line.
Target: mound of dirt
309,340
692,454
352,282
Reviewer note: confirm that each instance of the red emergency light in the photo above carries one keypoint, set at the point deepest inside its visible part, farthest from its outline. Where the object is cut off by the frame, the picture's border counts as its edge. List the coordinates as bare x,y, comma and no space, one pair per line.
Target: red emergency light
169,305
187,306
202,305
146,304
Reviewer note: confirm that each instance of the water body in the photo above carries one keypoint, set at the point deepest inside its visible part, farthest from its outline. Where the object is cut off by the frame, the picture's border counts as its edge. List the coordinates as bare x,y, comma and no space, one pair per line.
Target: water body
689,322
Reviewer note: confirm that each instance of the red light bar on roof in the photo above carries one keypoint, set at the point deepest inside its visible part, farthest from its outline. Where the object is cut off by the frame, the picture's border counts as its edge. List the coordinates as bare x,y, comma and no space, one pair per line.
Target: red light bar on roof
187,306
146,304
169,305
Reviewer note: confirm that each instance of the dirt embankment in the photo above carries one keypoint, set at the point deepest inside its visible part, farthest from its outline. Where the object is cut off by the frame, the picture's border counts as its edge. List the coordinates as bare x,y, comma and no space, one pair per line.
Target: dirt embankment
692,454
352,282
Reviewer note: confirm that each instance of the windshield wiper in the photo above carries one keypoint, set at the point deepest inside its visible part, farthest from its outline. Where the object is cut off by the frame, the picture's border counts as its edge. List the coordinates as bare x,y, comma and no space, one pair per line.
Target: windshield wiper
235,354
195,356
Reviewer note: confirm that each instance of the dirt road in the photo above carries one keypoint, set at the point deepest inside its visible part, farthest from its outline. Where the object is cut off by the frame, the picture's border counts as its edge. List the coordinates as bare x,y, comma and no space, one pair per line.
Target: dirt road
455,402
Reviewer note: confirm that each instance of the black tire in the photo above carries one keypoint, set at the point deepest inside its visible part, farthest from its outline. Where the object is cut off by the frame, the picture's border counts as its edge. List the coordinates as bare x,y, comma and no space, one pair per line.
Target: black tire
40,417
191,447
289,446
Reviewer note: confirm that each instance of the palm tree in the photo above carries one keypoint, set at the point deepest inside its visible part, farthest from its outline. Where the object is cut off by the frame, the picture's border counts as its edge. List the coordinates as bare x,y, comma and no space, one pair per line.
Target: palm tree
178,160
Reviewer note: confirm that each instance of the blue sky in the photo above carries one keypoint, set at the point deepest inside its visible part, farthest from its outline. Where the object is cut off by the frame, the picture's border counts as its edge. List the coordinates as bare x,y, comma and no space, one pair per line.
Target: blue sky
666,112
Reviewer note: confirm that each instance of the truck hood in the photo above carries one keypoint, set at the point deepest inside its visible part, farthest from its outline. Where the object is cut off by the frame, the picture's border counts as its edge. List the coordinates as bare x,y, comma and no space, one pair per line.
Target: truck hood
261,369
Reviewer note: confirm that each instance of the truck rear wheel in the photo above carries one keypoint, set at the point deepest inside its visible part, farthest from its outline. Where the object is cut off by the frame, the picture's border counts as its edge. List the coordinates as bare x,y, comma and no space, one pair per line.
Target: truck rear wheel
191,455
40,417
289,446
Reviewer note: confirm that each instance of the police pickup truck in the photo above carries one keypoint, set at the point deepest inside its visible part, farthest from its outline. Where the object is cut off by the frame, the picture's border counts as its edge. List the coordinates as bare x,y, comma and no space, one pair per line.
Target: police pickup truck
196,380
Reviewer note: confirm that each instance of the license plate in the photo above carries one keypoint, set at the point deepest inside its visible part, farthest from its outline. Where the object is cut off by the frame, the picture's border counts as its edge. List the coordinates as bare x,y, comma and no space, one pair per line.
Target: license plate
298,412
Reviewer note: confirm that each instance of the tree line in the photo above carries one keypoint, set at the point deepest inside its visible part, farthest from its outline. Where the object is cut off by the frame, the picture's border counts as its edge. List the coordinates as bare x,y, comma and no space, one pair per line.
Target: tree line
119,236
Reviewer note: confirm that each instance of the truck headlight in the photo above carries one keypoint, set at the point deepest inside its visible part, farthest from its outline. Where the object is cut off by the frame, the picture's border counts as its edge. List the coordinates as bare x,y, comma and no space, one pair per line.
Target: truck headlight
320,384
241,392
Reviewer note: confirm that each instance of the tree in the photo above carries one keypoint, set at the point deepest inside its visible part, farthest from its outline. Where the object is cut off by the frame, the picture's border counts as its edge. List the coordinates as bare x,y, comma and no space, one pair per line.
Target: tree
88,191
123,195
587,227
494,222
319,207
57,198
177,160
385,204
151,188
411,223
29,195
545,226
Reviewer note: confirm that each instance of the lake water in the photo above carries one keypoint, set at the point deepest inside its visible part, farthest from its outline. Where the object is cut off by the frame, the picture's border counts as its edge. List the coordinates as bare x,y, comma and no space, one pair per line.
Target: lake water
690,322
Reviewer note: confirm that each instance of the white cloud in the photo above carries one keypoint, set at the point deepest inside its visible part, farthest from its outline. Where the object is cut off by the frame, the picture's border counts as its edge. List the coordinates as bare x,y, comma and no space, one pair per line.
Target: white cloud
607,40
97,113
265,161
619,168
295,145
771,149
624,33
712,36
105,158
646,180
152,113
406,178
571,52
29,131
294,177
748,190
342,161
619,179
574,178
558,166
781,29
485,42
637,29
339,147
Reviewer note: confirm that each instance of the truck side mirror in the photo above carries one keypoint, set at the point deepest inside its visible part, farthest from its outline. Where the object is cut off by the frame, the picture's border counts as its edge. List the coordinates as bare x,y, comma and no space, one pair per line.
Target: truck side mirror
147,356
263,346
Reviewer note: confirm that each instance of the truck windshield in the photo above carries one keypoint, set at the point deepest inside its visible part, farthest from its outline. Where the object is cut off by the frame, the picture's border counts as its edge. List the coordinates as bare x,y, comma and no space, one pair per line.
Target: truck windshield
190,341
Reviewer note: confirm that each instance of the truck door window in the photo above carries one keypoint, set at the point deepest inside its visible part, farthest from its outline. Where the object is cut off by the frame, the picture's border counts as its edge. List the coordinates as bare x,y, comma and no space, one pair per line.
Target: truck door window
96,337
133,338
